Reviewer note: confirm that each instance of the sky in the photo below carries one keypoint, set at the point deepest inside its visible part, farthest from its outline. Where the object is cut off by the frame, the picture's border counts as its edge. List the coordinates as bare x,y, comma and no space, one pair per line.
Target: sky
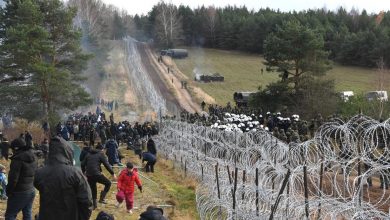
144,6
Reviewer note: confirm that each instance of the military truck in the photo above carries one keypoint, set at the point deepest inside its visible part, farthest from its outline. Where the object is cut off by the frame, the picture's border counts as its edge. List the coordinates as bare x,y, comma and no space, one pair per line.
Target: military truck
242,98
175,53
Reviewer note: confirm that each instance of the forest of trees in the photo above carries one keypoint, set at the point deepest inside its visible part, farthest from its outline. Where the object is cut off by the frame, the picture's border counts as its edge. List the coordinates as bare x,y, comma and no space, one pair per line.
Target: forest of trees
352,38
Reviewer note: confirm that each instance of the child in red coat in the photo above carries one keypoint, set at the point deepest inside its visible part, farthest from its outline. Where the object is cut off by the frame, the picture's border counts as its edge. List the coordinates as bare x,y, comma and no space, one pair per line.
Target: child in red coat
126,181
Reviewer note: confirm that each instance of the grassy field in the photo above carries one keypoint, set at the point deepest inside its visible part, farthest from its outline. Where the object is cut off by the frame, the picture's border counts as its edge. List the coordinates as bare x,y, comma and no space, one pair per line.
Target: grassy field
242,72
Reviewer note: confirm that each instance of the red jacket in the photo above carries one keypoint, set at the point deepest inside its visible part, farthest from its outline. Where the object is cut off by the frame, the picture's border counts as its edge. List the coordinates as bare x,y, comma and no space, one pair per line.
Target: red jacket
126,180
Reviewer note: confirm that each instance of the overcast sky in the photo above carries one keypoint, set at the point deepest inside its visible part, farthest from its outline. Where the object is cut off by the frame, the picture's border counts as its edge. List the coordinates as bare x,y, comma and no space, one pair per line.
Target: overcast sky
144,6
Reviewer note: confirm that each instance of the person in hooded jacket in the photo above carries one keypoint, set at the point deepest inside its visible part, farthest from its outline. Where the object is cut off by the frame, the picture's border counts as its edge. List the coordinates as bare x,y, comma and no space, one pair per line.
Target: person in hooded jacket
126,180
84,152
152,213
91,167
112,152
20,188
64,191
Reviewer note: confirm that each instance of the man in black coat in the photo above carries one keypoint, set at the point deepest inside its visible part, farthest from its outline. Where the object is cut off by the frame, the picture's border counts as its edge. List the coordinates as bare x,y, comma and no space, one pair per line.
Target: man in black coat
20,188
84,152
64,191
91,167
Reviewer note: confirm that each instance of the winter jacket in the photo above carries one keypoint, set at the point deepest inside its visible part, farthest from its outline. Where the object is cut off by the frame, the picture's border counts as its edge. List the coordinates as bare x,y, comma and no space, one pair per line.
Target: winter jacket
22,170
112,151
84,153
149,157
151,146
64,190
127,179
152,214
92,162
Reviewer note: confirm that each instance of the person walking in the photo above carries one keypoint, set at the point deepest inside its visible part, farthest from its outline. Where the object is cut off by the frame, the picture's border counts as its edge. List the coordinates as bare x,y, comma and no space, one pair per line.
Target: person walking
126,180
64,191
112,152
91,168
20,188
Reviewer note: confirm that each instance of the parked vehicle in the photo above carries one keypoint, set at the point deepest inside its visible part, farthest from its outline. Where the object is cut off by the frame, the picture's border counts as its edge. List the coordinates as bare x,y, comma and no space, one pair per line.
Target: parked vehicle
377,95
175,53
345,95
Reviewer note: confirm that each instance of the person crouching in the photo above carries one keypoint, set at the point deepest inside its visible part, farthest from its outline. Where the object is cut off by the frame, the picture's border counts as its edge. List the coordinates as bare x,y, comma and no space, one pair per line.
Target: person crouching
150,161
126,180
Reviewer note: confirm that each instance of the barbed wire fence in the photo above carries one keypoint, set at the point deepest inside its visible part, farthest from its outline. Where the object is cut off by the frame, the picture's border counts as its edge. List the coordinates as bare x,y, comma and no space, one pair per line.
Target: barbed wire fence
256,176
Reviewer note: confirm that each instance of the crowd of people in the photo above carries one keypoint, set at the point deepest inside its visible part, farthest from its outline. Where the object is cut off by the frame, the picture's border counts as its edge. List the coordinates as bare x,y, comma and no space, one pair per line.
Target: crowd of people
286,128
63,187
109,105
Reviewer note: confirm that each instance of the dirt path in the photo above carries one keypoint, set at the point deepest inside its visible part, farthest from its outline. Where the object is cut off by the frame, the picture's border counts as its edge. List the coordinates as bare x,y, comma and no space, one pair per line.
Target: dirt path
168,80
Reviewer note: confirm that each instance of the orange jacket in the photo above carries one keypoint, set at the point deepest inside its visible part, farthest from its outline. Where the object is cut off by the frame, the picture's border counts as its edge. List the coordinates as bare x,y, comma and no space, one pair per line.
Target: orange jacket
126,180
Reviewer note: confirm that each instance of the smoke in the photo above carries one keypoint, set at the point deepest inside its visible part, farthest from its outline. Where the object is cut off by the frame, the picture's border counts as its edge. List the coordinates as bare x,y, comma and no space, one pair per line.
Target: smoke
203,66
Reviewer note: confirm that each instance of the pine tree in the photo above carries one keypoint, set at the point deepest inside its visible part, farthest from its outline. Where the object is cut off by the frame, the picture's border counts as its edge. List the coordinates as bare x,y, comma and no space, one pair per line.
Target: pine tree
41,52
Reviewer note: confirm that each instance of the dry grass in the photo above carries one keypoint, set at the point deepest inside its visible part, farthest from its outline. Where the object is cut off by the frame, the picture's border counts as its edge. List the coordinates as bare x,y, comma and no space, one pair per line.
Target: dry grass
22,125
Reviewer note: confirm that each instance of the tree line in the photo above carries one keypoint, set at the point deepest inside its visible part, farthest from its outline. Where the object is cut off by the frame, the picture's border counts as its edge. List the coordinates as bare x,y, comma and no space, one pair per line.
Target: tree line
351,37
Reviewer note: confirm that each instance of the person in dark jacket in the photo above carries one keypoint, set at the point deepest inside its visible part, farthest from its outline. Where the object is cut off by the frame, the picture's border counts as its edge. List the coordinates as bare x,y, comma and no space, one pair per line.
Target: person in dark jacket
64,191
28,138
151,147
4,149
138,146
91,167
84,152
152,213
92,136
112,152
20,188
150,161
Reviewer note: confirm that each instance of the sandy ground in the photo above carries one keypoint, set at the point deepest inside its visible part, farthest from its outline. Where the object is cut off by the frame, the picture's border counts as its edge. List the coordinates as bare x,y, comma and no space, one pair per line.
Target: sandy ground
158,72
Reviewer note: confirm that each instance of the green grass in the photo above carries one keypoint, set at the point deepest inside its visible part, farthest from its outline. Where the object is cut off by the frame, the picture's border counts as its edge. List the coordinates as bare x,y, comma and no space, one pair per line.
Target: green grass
356,79
242,72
